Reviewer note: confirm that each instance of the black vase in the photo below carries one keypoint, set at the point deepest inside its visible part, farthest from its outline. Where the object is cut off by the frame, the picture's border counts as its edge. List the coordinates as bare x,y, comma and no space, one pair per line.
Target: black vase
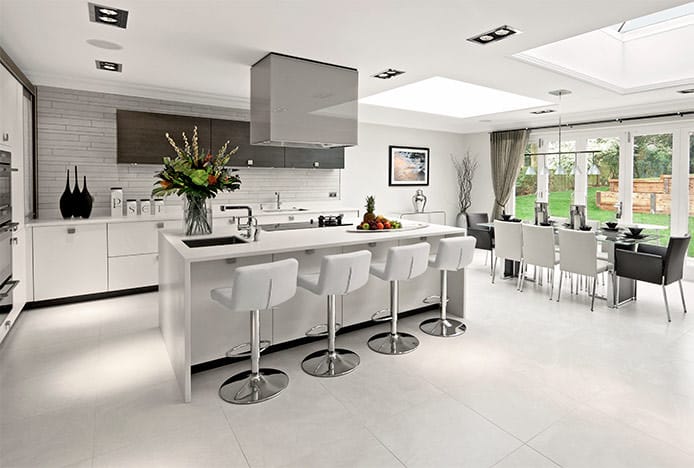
76,212
66,199
85,200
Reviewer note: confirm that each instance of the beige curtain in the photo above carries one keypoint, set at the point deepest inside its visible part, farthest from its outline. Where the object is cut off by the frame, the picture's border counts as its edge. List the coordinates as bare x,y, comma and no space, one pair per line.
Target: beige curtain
507,150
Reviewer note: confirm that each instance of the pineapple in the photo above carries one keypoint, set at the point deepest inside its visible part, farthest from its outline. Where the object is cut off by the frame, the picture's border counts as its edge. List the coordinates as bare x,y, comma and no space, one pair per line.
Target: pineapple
370,206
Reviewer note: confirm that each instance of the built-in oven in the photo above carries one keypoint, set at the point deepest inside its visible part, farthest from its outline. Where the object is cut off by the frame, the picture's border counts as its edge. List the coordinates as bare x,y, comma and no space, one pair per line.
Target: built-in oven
7,227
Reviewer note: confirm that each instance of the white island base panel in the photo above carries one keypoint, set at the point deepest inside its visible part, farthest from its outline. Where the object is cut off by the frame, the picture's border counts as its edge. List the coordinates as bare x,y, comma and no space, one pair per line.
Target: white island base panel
197,329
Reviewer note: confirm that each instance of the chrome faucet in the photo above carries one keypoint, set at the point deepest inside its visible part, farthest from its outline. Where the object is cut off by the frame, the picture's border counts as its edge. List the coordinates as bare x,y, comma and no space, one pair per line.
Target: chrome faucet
277,194
248,230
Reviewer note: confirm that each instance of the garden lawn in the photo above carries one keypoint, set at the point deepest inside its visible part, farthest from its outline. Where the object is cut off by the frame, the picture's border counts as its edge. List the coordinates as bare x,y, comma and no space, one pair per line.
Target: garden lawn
559,203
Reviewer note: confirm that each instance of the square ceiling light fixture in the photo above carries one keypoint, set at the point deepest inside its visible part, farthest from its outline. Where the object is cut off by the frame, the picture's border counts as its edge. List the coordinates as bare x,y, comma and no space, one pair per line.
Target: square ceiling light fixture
494,35
108,15
109,66
453,98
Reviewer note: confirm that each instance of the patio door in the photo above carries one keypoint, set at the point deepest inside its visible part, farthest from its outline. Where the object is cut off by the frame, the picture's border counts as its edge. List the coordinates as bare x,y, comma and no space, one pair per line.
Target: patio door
650,194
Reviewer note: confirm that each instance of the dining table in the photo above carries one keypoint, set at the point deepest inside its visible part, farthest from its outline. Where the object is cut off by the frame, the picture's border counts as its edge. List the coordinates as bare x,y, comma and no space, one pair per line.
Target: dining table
619,290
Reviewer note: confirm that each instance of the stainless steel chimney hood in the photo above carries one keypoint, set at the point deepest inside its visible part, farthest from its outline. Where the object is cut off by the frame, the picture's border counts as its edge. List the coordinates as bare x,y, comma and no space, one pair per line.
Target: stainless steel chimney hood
302,103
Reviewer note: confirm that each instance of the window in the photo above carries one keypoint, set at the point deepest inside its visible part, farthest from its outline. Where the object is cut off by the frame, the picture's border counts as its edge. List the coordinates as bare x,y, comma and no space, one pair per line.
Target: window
651,194
526,185
602,173
559,169
690,225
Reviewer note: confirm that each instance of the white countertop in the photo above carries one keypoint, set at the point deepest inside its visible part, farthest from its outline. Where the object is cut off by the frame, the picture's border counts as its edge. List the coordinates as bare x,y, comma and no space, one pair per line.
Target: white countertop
175,213
300,239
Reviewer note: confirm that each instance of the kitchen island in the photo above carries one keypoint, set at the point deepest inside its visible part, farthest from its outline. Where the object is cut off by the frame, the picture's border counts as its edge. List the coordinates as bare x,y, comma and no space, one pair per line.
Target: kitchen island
197,329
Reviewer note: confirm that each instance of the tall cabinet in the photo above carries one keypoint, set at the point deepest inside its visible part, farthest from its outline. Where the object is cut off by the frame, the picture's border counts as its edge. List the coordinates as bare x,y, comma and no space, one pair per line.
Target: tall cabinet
12,138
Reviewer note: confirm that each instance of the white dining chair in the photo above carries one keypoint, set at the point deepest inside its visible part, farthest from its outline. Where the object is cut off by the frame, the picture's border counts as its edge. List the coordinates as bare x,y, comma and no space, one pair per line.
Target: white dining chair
508,243
578,253
538,250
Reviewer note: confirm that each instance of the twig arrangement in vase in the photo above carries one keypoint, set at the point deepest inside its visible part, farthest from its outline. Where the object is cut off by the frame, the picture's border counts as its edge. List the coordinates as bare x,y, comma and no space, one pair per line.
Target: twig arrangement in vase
465,171
197,176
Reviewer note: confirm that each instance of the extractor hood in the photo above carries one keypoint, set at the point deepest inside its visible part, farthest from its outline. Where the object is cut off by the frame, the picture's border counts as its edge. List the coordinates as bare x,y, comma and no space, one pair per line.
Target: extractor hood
302,103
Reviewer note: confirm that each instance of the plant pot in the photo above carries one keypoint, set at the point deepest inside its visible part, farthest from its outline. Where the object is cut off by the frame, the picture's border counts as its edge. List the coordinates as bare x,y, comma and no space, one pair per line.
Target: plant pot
197,215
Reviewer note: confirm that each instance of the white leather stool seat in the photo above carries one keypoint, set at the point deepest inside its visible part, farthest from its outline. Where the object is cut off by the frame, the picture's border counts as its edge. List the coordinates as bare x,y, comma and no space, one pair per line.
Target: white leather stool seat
403,262
259,287
455,253
339,274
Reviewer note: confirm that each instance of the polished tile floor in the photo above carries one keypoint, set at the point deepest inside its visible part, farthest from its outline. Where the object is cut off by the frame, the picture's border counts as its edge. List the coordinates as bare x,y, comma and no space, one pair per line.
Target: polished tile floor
533,383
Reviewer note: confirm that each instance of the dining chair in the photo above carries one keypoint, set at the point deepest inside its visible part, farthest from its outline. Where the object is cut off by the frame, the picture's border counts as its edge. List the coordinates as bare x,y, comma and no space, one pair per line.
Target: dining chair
655,264
484,236
508,243
578,253
538,250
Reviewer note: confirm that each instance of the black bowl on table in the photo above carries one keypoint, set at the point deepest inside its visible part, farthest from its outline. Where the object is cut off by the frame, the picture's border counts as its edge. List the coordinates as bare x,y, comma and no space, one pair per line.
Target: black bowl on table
515,220
611,225
635,231
505,217
585,228
546,224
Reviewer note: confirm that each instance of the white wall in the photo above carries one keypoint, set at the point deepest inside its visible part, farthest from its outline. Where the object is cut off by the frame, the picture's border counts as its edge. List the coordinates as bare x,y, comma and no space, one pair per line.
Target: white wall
366,169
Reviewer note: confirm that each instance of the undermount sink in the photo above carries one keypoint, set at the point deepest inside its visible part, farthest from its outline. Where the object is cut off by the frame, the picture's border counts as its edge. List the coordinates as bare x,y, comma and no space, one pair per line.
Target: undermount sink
282,210
214,241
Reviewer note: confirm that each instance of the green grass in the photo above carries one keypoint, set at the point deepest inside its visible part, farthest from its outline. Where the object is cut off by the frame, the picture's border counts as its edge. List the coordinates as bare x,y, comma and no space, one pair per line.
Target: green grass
559,203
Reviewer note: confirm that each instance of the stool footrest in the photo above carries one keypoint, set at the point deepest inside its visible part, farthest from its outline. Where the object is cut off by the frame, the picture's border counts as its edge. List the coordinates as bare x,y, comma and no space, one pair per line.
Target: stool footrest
321,330
379,317
434,300
244,349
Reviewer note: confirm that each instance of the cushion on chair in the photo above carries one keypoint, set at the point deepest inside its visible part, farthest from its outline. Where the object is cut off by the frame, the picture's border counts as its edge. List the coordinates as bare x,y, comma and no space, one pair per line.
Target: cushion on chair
639,266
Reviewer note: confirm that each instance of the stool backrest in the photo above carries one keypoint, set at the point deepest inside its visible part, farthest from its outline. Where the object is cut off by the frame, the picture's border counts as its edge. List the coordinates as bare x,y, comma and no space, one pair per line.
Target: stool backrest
263,286
455,253
406,261
343,273
473,219
508,240
578,252
538,245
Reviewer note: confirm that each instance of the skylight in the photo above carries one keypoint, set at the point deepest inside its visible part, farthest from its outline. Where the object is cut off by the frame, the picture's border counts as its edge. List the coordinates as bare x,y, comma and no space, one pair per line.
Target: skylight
444,96
654,18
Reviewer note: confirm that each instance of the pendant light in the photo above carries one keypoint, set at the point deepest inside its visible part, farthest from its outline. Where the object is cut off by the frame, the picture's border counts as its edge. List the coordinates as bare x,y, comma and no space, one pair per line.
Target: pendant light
530,171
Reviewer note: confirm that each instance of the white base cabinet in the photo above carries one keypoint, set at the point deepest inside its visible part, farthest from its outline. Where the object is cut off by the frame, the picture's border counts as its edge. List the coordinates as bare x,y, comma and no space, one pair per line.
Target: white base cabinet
69,261
133,271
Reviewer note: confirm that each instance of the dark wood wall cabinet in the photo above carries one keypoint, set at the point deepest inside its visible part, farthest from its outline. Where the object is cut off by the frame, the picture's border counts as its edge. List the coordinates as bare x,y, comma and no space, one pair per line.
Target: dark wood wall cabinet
141,139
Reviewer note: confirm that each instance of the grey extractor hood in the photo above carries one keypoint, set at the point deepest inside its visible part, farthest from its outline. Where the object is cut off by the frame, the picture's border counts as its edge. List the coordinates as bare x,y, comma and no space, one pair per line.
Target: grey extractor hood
303,103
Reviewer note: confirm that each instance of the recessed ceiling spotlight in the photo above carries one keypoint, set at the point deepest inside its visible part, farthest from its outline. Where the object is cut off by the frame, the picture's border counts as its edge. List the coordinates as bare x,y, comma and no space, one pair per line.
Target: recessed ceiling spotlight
686,91
108,15
109,66
496,34
560,92
387,74
542,111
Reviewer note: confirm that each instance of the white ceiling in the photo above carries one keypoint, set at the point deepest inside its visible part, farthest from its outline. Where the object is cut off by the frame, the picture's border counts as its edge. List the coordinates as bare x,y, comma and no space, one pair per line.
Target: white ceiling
202,50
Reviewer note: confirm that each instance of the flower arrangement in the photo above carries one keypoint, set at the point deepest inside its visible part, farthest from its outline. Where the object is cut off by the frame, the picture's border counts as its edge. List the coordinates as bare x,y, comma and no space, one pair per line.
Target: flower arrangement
195,172
198,176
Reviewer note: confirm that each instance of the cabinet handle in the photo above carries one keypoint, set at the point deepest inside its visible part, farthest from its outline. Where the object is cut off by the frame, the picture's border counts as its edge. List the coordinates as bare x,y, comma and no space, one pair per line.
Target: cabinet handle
160,225
309,251
71,230
14,240
371,244
230,261
14,169
5,137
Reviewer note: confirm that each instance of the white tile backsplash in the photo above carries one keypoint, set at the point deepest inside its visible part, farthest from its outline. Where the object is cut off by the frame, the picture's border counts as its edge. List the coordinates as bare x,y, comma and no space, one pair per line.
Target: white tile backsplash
79,128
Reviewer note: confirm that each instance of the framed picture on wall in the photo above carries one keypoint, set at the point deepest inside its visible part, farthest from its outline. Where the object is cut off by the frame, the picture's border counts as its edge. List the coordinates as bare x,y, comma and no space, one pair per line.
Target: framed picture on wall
408,165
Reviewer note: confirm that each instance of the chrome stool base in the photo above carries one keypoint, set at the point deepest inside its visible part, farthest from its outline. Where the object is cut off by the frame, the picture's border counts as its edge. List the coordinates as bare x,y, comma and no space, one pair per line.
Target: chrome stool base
245,389
388,343
442,327
326,364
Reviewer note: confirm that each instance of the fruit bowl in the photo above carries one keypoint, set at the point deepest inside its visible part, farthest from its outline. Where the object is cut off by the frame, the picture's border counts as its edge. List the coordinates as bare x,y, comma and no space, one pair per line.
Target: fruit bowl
611,224
379,223
505,217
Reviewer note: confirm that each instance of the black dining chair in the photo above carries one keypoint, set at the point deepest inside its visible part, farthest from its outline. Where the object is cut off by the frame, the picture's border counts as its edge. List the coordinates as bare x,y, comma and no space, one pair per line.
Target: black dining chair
483,235
655,264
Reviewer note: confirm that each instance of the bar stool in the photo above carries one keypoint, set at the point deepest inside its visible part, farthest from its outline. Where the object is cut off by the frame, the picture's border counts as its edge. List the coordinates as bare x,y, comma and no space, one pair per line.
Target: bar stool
339,275
256,288
454,254
402,263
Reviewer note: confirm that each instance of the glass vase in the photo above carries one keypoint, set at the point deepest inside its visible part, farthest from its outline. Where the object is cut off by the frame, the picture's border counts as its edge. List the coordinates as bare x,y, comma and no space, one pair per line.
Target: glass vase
197,215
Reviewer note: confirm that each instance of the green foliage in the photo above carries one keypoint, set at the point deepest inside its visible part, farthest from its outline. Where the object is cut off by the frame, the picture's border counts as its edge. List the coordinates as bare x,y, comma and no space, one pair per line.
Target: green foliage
195,172
652,155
